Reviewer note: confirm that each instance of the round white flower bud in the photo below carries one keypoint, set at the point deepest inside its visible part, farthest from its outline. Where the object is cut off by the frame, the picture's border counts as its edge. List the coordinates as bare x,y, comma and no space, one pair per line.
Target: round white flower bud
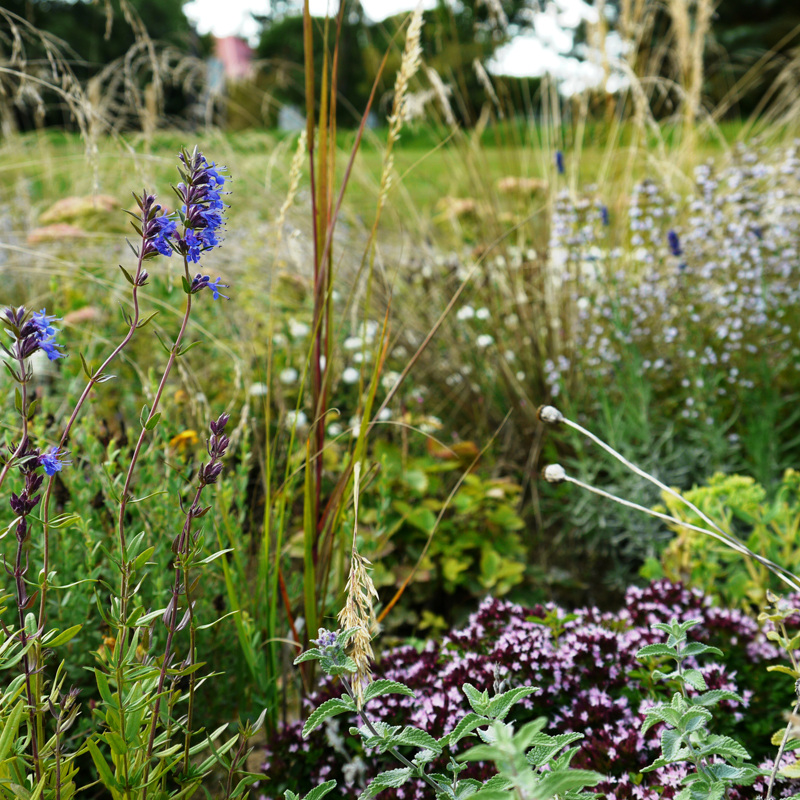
550,414
554,473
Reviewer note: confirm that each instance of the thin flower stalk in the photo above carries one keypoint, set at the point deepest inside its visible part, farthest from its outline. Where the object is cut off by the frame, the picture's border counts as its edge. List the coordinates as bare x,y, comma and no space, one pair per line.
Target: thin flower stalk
152,228
556,474
182,546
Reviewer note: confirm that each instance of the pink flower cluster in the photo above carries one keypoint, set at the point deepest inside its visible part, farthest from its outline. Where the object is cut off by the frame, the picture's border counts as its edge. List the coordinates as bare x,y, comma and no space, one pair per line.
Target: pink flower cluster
590,682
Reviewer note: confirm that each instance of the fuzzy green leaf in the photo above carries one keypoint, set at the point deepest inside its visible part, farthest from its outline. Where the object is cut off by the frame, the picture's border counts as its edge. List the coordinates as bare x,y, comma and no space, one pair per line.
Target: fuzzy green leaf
381,687
330,708
391,779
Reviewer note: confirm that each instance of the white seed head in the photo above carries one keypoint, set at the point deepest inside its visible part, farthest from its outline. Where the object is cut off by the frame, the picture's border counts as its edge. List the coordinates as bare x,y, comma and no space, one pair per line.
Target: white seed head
550,414
554,473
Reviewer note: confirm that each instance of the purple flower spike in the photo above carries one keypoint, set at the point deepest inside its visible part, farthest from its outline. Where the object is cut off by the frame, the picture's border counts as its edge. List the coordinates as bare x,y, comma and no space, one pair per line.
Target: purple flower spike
45,335
560,162
202,208
54,461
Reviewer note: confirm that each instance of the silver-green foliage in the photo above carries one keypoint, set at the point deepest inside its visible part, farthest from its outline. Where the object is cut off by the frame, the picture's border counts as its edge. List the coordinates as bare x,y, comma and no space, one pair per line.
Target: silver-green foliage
716,762
531,765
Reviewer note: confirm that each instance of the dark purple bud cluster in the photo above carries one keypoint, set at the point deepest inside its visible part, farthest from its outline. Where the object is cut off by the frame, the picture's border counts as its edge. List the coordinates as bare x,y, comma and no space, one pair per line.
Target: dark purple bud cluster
31,333
216,444
23,503
202,210
159,231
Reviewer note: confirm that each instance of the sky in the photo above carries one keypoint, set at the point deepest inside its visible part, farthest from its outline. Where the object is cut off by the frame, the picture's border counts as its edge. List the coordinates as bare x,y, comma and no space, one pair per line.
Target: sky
546,47
232,17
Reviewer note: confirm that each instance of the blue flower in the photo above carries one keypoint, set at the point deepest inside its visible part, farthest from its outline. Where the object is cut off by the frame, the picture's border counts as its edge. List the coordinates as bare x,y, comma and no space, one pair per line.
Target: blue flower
54,461
560,162
42,320
203,208
45,334
193,246
604,215
204,282
163,229
674,244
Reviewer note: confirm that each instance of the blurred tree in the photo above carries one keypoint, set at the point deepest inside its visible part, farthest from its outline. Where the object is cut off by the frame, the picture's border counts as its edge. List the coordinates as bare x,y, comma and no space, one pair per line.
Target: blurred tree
97,33
454,35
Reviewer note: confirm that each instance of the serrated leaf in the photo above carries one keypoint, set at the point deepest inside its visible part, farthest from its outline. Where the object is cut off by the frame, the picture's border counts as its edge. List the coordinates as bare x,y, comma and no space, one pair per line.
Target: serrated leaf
310,655
695,679
698,648
330,708
500,705
382,686
715,696
478,700
464,728
415,737
320,791
656,651
573,780
391,779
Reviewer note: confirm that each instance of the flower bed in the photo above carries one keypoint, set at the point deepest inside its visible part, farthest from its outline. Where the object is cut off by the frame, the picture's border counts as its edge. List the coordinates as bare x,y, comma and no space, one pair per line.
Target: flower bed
590,682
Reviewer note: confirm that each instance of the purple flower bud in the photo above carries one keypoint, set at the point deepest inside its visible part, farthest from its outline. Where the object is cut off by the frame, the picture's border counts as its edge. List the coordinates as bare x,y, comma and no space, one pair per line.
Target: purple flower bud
560,162
218,425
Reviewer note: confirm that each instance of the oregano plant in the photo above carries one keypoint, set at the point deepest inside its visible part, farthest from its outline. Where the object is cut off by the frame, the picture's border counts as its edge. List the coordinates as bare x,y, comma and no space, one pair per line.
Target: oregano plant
531,765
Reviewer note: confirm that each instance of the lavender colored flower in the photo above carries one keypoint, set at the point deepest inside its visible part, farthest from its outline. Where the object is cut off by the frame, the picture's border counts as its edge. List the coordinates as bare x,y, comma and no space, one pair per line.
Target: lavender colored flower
204,282
560,162
53,461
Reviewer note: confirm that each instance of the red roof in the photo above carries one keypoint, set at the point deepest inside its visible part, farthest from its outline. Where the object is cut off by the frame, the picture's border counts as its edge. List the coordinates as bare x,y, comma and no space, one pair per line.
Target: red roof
236,56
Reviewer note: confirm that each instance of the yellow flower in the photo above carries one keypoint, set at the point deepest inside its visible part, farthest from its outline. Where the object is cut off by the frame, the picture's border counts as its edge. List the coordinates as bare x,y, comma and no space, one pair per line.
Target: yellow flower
183,440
